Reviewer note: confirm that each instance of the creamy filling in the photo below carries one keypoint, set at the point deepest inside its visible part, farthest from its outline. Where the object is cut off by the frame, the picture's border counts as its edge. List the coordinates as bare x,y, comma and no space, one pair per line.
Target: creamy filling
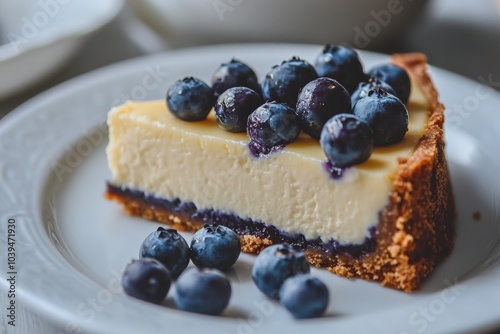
152,151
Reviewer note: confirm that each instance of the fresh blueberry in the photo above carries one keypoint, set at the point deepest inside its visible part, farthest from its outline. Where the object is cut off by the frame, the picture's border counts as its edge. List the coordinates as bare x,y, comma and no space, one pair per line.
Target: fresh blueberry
304,296
234,74
271,125
215,246
234,106
396,77
346,140
284,82
274,265
364,88
320,100
168,247
190,99
205,291
146,279
342,64
386,115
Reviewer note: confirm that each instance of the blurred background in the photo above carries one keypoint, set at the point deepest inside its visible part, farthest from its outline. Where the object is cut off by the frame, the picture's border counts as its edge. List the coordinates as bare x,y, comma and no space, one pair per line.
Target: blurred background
46,42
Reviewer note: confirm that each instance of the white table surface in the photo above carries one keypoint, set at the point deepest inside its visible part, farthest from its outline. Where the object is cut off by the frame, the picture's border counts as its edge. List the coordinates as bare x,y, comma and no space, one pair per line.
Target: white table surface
458,35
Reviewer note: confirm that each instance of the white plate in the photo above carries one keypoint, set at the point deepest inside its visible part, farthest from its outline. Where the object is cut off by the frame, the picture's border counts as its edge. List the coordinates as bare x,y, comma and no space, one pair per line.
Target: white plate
37,37
72,244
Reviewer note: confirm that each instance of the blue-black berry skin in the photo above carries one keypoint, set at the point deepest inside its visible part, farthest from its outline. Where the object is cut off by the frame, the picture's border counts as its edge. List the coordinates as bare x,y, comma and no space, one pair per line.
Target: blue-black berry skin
205,291
234,106
215,246
168,247
304,296
320,100
342,64
274,265
347,140
396,77
386,115
146,279
190,99
234,74
284,82
366,86
273,124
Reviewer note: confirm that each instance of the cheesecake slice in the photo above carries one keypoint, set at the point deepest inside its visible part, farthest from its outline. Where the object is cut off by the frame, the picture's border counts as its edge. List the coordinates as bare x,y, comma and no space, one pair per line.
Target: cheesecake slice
389,219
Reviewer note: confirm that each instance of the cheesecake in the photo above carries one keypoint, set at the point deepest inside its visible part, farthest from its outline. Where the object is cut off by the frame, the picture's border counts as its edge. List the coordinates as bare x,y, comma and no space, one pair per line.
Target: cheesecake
388,219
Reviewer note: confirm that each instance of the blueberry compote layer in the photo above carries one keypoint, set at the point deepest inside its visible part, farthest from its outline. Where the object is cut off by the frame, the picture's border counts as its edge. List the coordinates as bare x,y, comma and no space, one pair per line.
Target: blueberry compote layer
246,226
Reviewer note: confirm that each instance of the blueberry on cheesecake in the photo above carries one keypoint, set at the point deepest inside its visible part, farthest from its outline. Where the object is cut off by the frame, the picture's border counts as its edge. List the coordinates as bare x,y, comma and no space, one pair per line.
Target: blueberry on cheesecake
284,82
320,100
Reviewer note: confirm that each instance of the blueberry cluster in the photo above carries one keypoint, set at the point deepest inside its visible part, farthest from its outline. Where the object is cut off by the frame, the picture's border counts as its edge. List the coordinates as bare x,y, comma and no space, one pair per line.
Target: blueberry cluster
334,101
164,256
282,272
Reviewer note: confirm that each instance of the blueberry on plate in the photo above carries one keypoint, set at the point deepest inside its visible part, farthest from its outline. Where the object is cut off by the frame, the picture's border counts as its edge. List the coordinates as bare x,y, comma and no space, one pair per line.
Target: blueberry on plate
168,247
273,124
190,99
364,88
215,246
342,64
346,140
234,106
146,279
396,77
304,296
274,265
234,74
320,100
284,82
386,115
205,291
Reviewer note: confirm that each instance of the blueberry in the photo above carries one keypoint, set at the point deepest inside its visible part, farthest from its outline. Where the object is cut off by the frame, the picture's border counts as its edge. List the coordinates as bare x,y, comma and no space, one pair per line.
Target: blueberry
396,77
365,86
273,124
205,291
274,265
190,99
284,82
234,106
168,247
146,279
304,296
386,115
342,64
215,246
234,74
346,140
320,100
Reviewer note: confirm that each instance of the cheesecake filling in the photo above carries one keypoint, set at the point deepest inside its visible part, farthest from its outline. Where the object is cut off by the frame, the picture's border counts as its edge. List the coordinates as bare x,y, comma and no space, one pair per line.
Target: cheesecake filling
162,157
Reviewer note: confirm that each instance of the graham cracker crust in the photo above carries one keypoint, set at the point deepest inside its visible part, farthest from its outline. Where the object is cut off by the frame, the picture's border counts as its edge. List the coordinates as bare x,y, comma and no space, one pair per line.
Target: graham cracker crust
416,229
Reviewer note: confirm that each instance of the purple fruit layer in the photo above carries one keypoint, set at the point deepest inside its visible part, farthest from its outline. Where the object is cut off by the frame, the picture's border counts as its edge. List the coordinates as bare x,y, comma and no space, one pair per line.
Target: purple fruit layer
247,226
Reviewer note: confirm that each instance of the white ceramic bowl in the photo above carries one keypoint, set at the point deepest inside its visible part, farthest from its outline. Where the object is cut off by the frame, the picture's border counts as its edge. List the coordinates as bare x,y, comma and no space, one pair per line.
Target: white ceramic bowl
38,37
358,23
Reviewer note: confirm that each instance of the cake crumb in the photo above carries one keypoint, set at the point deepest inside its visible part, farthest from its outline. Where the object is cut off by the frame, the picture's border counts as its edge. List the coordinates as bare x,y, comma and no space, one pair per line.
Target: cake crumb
476,215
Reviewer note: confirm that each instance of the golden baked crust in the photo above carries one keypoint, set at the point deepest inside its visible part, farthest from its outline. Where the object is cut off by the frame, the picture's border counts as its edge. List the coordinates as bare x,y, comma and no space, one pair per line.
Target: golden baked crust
415,230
